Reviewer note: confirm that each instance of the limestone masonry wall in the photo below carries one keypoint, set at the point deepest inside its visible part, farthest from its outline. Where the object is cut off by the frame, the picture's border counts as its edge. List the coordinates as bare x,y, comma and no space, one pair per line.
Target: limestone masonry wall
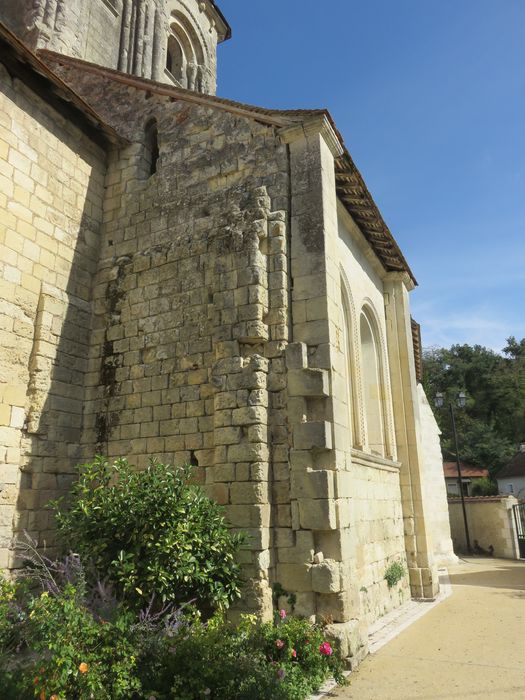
51,194
131,35
191,309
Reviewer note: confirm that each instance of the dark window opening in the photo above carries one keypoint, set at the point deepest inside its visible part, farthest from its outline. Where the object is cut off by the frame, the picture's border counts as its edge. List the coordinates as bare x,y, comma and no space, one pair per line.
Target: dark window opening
175,59
152,147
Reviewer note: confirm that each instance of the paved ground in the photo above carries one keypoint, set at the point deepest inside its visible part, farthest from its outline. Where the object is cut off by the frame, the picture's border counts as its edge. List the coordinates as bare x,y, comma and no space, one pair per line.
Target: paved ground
472,645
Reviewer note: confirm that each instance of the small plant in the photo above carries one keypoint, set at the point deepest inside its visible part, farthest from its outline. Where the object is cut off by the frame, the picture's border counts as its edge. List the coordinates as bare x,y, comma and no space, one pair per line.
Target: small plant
394,573
151,534
279,592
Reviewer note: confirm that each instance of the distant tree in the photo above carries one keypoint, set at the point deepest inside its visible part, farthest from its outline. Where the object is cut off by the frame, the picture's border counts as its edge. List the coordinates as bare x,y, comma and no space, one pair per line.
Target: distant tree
493,422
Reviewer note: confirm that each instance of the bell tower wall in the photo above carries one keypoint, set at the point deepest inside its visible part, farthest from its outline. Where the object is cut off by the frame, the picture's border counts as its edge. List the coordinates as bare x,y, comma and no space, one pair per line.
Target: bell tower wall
171,41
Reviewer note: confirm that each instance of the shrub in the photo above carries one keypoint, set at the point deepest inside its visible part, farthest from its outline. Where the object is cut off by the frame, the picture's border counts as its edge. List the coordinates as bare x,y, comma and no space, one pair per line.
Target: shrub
484,487
152,534
285,661
78,655
394,573
74,652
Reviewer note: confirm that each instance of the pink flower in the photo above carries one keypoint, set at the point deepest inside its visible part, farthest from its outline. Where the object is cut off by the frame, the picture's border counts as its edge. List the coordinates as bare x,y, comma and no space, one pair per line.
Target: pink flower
326,649
282,614
294,654
279,644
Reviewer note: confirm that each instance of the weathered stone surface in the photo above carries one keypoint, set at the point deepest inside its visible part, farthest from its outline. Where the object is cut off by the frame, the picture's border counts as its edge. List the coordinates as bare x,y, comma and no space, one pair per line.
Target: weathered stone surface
147,309
308,382
326,577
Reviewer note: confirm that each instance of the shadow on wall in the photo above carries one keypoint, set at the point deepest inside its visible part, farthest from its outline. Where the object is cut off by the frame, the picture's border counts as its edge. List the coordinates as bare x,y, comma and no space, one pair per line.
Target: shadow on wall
58,360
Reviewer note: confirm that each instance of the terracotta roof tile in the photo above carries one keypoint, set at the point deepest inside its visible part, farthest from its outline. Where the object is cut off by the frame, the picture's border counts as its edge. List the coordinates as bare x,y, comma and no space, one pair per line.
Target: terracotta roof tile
467,470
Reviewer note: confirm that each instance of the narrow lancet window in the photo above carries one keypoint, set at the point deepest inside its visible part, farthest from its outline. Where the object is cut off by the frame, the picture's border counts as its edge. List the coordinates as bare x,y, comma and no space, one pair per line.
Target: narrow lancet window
152,147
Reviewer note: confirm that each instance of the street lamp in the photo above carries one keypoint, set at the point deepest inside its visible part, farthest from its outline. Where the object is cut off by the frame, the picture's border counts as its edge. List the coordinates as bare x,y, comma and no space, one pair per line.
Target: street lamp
461,401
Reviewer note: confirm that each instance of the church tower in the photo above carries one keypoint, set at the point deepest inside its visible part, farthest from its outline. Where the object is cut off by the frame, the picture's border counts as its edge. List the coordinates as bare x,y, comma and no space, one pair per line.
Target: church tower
171,41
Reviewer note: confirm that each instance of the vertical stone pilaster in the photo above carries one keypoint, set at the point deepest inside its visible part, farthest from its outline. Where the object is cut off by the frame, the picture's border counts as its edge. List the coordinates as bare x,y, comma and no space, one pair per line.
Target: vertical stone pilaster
320,571
423,573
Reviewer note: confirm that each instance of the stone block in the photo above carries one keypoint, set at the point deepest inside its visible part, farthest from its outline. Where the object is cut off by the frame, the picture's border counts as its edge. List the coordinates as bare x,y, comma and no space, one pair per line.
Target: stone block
294,577
312,484
227,436
248,452
317,514
313,435
326,577
296,356
250,415
351,638
251,516
335,607
246,492
308,382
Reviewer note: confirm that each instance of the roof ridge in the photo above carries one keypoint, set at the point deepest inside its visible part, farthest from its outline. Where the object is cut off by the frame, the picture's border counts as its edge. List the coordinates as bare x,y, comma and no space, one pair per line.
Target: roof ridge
273,115
350,185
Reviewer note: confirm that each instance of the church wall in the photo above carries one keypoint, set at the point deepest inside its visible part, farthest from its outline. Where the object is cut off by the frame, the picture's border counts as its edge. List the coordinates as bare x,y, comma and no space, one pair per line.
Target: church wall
51,191
191,309
435,490
371,481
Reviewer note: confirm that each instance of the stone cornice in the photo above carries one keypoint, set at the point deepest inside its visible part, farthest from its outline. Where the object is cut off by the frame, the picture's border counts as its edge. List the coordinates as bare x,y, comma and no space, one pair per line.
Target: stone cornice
403,277
319,124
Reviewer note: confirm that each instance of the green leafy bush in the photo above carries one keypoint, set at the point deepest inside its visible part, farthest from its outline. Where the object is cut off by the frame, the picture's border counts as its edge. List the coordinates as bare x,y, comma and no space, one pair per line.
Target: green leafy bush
78,655
73,652
152,534
285,661
394,573
484,487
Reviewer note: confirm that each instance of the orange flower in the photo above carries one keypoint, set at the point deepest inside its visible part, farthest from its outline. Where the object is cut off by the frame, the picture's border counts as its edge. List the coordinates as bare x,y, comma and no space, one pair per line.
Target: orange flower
83,667
54,697
43,695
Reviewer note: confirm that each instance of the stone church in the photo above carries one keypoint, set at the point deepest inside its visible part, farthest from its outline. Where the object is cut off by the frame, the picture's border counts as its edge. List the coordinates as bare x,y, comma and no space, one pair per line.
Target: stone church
198,280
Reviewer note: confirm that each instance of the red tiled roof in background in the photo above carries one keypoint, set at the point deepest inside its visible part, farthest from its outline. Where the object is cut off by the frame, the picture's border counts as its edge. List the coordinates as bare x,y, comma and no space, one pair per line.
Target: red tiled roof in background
467,470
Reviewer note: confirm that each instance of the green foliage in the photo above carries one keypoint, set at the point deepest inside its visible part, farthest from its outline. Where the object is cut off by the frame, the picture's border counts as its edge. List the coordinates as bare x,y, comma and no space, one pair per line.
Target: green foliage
268,662
484,487
493,422
73,652
152,534
279,592
78,655
394,573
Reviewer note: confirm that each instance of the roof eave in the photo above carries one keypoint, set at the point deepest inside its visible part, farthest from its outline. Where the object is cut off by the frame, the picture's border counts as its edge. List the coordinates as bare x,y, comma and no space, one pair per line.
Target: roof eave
29,69
227,30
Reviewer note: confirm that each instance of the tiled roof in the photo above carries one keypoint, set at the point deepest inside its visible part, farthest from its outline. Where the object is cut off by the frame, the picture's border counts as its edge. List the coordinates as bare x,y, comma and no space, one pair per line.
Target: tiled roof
467,470
24,64
418,349
351,188
223,18
516,466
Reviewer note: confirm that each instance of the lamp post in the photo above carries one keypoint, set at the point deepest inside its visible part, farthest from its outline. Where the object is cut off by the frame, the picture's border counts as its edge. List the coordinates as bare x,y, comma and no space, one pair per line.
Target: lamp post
462,400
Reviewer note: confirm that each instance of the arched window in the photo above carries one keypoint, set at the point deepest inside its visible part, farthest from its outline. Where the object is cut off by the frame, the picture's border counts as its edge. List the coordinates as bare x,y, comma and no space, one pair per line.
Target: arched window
372,381
175,61
151,152
186,53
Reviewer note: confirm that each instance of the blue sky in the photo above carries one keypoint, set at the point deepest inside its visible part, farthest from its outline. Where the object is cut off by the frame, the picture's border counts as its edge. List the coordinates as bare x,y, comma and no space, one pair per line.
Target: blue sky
430,98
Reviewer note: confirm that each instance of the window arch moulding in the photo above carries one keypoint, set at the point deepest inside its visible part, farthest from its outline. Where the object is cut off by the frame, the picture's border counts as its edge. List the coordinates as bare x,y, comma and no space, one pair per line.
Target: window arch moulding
352,367
376,396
